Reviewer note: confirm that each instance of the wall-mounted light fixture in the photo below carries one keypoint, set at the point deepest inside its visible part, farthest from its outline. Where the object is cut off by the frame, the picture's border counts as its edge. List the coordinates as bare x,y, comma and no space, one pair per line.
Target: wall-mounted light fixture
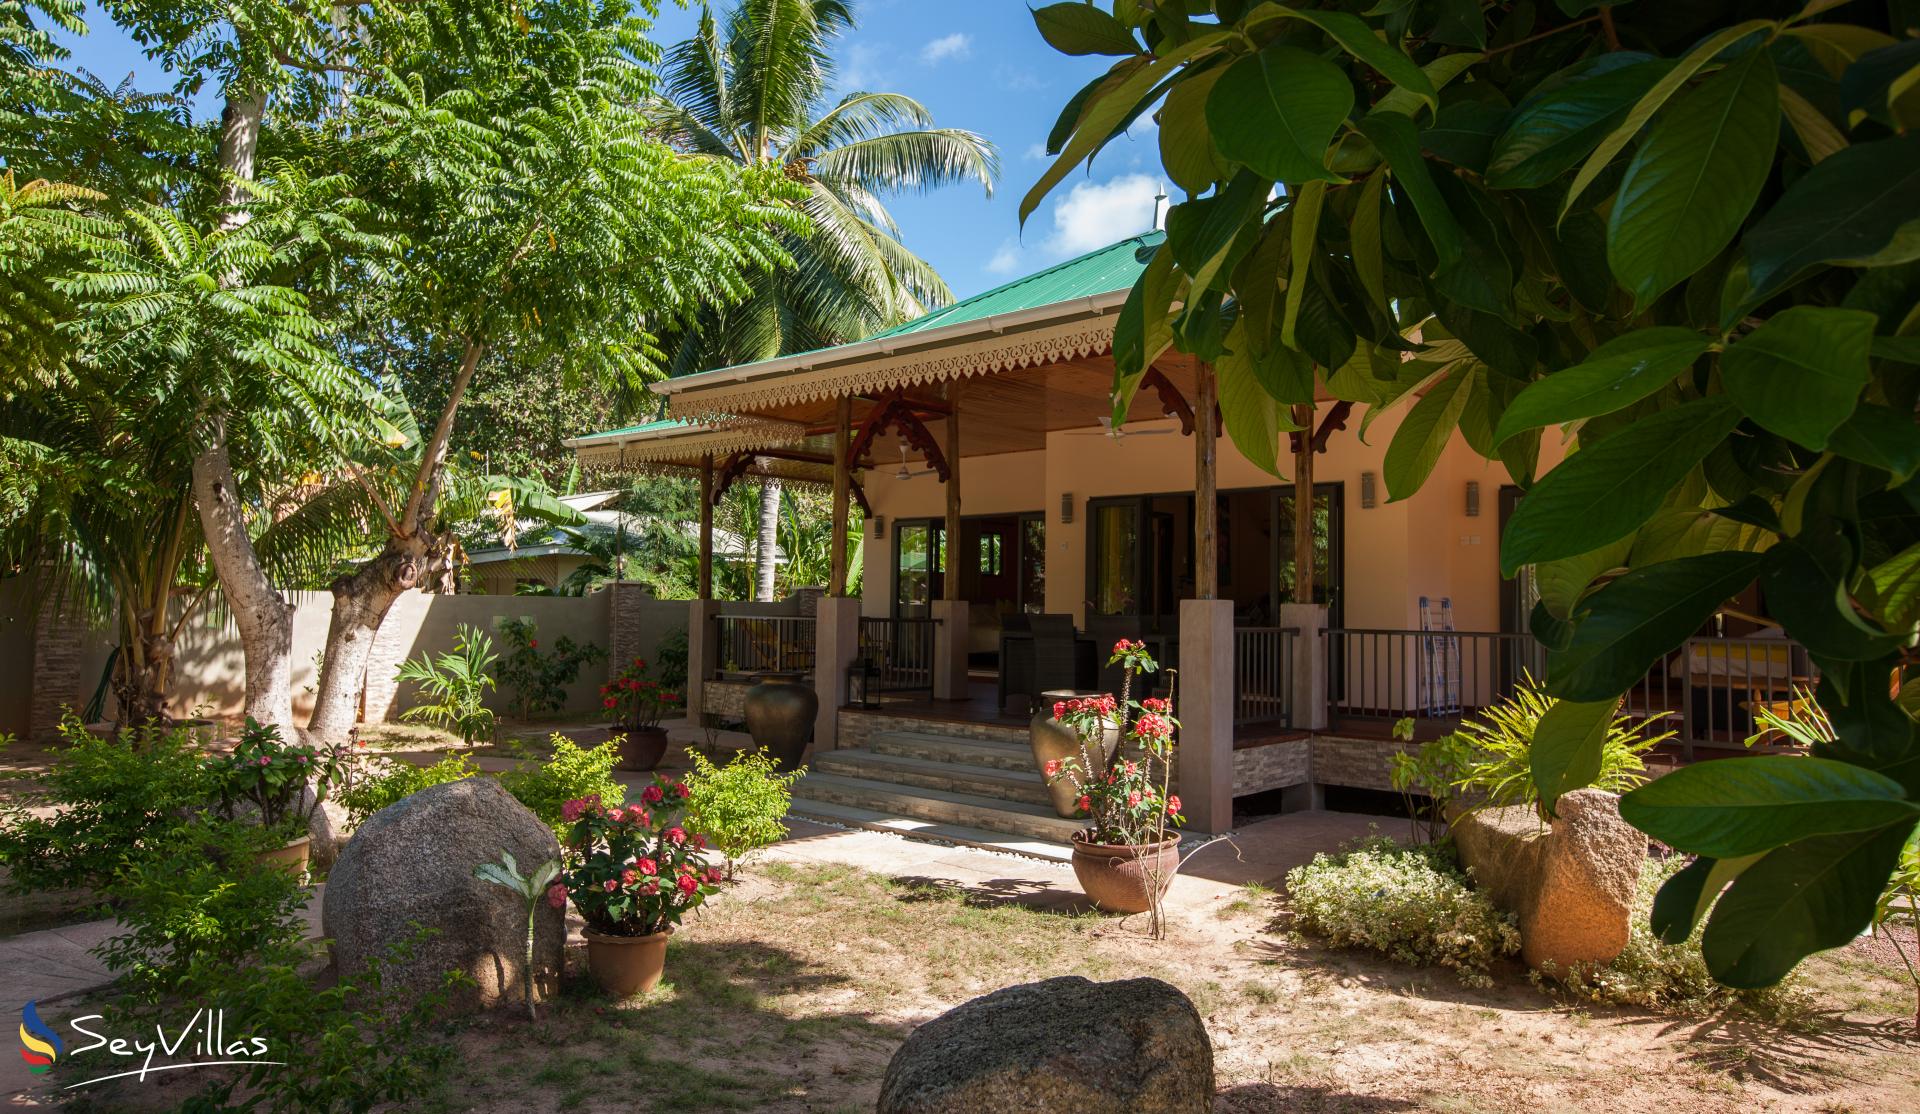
1473,498
1367,495
879,526
1066,507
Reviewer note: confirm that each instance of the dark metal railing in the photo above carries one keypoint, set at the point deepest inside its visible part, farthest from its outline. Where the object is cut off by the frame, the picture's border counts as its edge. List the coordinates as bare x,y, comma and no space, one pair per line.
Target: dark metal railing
901,652
1263,665
750,644
1710,691
1425,674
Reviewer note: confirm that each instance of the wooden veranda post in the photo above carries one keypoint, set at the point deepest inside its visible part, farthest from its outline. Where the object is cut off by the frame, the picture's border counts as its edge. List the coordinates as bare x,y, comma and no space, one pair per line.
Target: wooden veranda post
1206,504
842,482
951,566
1303,506
706,527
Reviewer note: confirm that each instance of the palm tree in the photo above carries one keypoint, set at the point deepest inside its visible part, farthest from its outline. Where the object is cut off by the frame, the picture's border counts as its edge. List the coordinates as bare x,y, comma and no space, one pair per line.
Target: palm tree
756,92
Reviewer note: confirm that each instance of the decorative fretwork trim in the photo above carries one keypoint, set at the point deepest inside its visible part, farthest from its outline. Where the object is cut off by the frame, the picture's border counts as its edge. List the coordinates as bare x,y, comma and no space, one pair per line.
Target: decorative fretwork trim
986,356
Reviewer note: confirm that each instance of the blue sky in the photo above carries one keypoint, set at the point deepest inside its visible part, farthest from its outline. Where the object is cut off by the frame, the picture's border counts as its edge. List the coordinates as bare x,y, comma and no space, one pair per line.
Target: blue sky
975,65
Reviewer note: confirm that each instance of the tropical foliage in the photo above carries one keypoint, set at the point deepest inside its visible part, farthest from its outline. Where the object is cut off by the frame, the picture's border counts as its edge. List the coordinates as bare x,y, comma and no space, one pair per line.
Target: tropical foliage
452,686
1679,232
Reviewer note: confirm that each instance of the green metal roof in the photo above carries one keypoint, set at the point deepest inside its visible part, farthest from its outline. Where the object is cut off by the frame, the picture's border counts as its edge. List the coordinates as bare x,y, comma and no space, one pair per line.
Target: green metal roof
643,427
1102,271
1114,267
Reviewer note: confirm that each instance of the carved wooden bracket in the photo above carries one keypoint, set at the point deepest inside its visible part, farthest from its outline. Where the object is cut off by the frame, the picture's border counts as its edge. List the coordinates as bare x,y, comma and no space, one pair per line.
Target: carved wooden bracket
1336,419
1171,403
896,412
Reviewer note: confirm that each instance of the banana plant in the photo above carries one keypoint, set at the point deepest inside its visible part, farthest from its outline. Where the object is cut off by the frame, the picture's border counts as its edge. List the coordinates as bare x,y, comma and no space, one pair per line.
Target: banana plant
506,874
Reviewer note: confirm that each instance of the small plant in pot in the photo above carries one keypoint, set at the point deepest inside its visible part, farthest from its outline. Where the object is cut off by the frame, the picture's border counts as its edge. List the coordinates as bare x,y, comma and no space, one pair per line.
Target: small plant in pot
1127,855
633,873
279,783
638,703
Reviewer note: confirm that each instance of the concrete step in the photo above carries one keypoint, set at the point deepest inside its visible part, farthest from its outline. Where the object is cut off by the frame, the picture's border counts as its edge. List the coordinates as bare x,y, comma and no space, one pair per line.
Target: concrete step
925,773
952,748
854,817
940,806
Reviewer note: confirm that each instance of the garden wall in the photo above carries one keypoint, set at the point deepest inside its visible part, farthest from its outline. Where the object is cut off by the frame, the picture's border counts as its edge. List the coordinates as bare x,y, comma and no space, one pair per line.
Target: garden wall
49,660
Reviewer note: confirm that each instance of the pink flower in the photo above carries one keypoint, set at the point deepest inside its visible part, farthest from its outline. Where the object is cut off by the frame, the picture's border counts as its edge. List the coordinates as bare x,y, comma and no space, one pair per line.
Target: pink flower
1173,805
629,877
713,876
652,795
650,888
1122,646
688,884
699,842
1052,767
557,896
1084,804
573,810
614,815
1154,704
1059,708
1133,798
533,644
676,835
609,702
264,760
680,790
646,866
610,885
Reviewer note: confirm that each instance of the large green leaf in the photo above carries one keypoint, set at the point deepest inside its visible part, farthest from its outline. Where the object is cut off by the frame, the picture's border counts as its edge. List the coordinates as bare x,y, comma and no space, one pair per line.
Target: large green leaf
1421,438
1357,39
1882,437
1399,144
1847,209
1605,490
1566,749
1563,582
1743,806
1663,90
1186,146
1684,899
1617,374
1369,258
1276,112
1814,894
1805,581
1893,586
1074,28
1305,226
1253,416
1694,178
1625,627
1800,374
1550,131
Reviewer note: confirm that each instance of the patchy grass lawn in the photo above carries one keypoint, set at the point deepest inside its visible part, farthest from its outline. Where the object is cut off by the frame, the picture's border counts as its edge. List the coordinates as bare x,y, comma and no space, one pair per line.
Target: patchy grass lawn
792,991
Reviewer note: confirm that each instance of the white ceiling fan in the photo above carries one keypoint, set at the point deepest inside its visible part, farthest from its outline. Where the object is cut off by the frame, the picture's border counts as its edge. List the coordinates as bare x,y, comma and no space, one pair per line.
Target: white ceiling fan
1107,430
907,472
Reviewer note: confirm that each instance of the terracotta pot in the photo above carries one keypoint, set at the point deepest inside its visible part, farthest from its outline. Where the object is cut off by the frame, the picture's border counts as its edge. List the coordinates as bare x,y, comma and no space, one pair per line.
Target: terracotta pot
1055,741
779,712
293,856
1115,876
641,748
627,965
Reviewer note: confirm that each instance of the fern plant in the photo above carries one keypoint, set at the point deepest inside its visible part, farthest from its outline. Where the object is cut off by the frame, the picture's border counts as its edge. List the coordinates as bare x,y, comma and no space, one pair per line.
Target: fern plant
453,686
1497,770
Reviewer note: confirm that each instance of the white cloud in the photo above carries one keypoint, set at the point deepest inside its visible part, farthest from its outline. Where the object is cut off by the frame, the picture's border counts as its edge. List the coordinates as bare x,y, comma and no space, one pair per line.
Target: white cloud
1038,152
1095,214
1005,261
955,46
859,66
1018,80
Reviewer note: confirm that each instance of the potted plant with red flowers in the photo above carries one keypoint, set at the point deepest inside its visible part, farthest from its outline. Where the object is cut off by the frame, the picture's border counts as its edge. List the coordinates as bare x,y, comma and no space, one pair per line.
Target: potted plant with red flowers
638,703
633,873
1126,856
280,783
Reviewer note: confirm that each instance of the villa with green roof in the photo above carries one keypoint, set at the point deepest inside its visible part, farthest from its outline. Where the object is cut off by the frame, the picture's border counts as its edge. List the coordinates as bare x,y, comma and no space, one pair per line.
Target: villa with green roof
1012,535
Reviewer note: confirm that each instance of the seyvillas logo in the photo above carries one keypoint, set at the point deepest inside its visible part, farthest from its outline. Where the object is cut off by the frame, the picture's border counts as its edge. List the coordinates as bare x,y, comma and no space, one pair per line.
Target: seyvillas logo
40,1046
203,1042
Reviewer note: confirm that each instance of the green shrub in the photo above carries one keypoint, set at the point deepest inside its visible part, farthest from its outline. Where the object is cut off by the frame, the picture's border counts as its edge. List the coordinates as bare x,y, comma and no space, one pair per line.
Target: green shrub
452,686
114,797
1410,903
196,898
537,678
738,807
571,772
1671,978
368,794
1488,762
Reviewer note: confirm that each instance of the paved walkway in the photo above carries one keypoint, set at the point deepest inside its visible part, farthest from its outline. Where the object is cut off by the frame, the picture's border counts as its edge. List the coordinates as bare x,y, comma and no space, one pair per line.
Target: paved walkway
55,963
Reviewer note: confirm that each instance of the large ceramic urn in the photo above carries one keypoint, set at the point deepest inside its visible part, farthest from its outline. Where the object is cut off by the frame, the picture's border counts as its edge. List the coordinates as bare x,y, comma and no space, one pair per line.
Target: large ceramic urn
1054,741
780,709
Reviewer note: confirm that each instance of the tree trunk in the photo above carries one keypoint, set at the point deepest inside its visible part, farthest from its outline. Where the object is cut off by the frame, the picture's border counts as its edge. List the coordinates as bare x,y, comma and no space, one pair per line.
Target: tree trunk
361,601
766,552
263,617
360,604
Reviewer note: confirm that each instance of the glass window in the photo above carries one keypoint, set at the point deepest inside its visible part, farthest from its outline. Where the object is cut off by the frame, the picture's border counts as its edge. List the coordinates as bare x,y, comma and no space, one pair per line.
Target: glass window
1033,565
1116,539
1322,545
990,554
912,580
